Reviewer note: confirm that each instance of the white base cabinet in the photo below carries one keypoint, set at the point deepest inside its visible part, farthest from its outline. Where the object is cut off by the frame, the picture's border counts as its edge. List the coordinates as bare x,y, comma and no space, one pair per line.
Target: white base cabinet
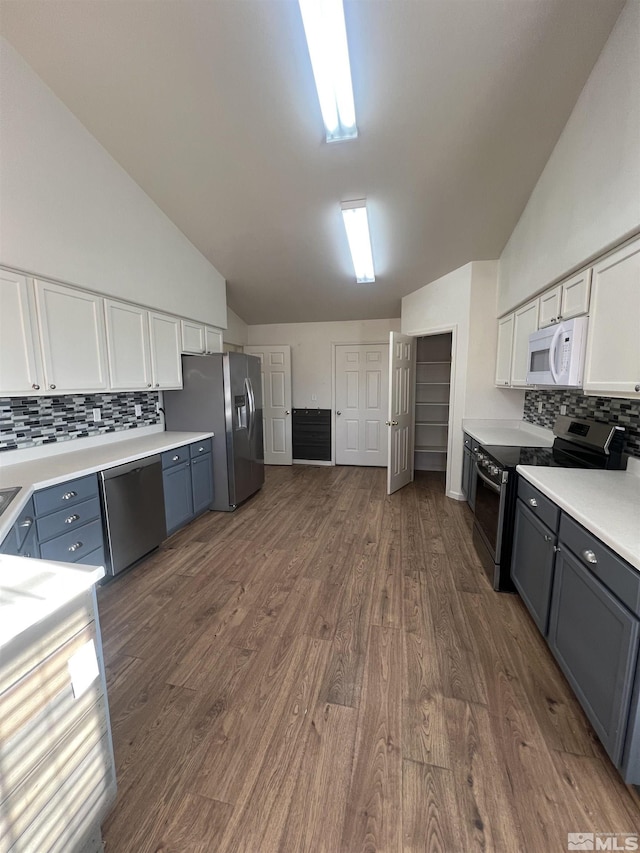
613,341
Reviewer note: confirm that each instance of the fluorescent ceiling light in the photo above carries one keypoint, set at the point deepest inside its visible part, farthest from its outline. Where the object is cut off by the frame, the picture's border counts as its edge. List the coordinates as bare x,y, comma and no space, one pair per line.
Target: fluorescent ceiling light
356,223
327,41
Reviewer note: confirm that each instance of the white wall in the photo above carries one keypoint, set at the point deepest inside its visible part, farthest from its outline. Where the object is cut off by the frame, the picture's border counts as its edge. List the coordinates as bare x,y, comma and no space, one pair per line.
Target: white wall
237,332
69,211
464,301
588,195
311,351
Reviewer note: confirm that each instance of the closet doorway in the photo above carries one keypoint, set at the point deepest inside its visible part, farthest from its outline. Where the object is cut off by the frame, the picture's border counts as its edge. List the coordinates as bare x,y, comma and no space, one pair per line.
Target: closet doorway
432,400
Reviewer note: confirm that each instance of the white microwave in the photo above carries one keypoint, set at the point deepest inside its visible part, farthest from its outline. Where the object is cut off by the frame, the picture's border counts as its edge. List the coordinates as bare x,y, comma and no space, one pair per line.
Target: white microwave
556,354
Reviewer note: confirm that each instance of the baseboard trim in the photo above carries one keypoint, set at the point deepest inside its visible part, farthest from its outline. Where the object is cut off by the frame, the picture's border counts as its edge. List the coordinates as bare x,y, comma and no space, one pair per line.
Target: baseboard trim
311,462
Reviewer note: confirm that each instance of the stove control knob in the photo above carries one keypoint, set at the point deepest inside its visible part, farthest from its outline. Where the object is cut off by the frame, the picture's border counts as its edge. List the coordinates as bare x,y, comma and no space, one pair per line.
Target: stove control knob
493,469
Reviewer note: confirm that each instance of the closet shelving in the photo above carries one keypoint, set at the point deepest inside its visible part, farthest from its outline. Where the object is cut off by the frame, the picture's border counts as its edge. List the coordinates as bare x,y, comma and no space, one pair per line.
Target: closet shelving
433,376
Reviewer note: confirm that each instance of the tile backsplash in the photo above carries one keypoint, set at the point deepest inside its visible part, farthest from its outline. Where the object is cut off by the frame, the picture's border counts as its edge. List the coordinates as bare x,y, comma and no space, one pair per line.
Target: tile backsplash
624,412
30,421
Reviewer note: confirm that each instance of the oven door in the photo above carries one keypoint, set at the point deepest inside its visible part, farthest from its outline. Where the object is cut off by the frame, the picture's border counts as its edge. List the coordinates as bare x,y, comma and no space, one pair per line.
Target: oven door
489,512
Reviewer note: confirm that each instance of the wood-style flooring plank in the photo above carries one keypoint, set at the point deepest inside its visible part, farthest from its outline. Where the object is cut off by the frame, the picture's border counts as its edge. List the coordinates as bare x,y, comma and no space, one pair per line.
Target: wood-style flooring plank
327,669
373,819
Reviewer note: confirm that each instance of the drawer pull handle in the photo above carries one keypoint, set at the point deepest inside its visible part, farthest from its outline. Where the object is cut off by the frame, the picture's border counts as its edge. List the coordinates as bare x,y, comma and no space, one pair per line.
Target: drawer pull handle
200,449
589,556
26,523
175,458
533,502
75,547
71,519
68,495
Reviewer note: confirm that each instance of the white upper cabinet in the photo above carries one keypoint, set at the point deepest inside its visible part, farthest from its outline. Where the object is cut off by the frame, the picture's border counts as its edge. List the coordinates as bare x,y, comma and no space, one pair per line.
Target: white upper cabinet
212,340
165,339
566,300
20,360
72,335
503,355
525,321
613,339
193,337
128,347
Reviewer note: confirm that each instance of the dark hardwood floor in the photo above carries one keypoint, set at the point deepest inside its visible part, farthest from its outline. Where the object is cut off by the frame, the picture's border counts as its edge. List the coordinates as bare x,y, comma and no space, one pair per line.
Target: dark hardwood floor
327,669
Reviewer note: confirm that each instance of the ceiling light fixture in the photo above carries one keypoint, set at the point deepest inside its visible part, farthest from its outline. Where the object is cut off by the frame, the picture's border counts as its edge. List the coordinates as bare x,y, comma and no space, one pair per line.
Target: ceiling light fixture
356,224
326,34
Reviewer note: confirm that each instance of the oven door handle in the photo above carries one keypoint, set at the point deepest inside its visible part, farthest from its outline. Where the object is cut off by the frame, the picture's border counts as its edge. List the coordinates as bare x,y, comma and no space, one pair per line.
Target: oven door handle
489,482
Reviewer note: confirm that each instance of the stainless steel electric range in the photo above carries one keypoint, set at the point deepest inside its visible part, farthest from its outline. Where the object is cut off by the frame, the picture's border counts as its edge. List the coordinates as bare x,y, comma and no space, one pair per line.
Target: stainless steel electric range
578,444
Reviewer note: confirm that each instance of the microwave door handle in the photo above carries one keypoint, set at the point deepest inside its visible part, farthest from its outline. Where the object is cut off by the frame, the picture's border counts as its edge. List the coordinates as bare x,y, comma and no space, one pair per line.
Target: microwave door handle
553,351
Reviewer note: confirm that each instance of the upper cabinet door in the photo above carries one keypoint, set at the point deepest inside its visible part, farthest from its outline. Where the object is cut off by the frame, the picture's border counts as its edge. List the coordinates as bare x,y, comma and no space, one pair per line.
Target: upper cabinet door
166,362
193,339
613,342
550,305
73,339
525,322
128,346
575,295
20,362
503,355
212,340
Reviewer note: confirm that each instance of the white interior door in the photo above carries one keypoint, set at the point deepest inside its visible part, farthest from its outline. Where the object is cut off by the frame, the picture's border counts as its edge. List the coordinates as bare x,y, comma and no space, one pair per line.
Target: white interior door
402,381
362,386
276,402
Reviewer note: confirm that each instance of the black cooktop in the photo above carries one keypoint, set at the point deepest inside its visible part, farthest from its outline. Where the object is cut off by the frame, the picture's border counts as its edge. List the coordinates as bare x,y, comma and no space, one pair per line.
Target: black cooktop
548,457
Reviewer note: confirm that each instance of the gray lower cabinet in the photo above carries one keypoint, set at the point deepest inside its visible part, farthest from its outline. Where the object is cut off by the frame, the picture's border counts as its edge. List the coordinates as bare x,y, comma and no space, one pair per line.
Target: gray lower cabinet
595,640
188,483
532,564
202,483
586,600
178,497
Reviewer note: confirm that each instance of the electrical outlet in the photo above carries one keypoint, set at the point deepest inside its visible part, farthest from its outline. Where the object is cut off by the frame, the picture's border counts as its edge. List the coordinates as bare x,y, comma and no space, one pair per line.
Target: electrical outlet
138,410
563,409
314,398
540,407
97,415
157,407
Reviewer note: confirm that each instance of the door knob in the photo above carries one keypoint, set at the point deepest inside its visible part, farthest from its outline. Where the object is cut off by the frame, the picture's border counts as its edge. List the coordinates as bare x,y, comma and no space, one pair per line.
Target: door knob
338,412
287,412
391,423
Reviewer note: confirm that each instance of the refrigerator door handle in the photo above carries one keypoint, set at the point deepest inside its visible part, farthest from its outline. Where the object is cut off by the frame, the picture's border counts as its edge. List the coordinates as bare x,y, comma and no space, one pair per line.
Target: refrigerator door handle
252,405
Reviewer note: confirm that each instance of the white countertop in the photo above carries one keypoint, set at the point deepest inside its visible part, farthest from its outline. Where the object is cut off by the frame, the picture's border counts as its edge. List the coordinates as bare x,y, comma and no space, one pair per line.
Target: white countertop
31,590
607,503
50,470
508,433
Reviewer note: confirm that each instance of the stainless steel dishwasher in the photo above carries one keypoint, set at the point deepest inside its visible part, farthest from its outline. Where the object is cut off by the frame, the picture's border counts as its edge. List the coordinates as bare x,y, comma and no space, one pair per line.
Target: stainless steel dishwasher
133,501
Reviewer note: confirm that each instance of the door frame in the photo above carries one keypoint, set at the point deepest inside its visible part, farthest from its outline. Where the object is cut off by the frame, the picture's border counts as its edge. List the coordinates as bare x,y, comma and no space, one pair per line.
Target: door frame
335,344
453,387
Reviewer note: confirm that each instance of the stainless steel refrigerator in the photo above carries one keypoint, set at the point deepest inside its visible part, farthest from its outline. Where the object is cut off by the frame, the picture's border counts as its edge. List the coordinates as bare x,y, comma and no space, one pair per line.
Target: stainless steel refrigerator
222,394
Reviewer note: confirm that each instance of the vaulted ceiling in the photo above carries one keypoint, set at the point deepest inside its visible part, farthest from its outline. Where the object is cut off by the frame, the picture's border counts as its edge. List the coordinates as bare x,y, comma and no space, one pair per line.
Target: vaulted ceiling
210,106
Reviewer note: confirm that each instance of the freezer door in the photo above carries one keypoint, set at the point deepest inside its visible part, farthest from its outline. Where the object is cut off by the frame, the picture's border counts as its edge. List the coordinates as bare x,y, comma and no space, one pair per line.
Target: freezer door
254,378
238,417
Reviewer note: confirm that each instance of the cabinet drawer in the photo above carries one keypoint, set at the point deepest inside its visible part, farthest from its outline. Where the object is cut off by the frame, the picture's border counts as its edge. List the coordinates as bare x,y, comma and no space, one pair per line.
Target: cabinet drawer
199,447
170,458
68,519
539,505
95,558
617,575
71,547
66,494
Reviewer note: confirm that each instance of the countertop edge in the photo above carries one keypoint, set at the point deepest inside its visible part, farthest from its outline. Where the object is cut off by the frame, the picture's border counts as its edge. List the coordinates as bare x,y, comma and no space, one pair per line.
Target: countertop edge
586,520
83,578
14,509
